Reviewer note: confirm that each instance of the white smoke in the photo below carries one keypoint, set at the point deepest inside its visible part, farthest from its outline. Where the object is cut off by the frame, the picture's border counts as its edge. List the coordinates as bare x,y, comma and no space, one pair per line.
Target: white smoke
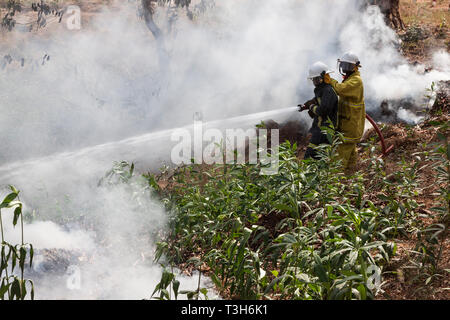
441,61
114,242
108,82
47,234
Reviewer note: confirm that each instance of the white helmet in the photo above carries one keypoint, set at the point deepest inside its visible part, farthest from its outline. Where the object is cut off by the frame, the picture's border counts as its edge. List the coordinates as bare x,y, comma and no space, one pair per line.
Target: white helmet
317,70
349,57
347,63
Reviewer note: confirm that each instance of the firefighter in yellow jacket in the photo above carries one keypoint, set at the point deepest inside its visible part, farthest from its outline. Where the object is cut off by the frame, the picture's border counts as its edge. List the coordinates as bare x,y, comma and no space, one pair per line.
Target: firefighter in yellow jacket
351,108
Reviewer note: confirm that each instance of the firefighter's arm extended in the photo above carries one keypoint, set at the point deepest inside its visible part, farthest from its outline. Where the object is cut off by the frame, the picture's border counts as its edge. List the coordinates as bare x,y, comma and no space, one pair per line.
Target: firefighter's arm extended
327,103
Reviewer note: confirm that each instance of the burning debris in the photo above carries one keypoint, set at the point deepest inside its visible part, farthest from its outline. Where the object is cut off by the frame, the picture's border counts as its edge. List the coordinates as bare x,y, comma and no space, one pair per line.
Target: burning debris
408,110
290,130
56,262
396,111
293,131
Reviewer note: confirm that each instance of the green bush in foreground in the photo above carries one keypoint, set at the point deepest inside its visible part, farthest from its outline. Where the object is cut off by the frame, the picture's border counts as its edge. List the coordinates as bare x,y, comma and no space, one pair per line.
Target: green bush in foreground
309,232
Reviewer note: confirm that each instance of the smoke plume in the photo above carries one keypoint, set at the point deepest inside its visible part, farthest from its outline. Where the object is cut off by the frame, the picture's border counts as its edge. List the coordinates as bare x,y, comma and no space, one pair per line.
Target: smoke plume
111,81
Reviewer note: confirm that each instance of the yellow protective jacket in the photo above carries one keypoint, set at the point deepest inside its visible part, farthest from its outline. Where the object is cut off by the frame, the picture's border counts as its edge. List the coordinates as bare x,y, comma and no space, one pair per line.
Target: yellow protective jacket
351,108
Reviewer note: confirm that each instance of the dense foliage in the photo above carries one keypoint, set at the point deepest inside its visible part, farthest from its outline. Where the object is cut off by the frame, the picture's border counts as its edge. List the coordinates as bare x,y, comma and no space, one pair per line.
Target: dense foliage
309,232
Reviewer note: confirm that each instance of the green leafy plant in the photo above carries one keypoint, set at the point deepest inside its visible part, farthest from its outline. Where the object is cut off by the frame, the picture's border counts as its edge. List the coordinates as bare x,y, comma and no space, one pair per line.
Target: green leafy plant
441,155
325,239
12,286
427,253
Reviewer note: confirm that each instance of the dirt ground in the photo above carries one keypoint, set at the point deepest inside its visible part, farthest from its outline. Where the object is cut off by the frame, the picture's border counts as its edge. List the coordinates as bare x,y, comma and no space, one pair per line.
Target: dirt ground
427,28
410,144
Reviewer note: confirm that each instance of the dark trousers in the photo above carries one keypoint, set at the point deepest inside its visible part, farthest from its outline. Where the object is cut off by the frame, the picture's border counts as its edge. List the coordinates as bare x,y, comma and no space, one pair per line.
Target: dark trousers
317,138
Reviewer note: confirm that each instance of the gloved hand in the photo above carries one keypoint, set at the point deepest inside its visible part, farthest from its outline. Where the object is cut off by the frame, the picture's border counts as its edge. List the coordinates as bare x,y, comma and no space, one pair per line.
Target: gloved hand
302,107
309,103
327,78
306,105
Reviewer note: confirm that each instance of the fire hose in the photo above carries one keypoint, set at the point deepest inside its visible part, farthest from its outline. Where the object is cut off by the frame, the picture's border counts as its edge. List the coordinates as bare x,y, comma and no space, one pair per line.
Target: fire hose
377,129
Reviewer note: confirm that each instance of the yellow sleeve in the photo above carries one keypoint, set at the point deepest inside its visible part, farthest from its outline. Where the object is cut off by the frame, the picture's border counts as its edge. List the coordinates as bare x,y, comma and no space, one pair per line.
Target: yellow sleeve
347,89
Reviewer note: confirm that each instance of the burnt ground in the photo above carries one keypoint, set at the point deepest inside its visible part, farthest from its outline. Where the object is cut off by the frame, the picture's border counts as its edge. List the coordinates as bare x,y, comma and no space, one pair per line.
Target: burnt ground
54,261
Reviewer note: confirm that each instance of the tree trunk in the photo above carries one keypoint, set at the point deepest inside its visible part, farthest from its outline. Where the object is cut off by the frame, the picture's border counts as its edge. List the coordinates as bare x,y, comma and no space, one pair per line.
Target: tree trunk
163,56
148,10
391,11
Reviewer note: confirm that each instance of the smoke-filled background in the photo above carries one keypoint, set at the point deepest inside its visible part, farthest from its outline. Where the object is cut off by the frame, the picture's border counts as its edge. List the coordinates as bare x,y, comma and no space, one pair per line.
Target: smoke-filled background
113,81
